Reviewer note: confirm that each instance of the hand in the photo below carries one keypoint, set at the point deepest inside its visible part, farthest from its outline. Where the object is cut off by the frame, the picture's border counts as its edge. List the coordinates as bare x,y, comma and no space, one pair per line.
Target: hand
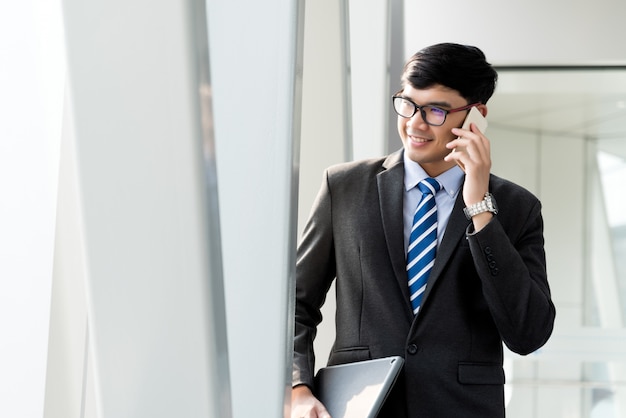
305,405
473,154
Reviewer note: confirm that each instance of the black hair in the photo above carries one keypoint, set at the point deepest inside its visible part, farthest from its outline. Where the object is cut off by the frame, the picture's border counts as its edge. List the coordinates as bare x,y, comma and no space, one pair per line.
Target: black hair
463,68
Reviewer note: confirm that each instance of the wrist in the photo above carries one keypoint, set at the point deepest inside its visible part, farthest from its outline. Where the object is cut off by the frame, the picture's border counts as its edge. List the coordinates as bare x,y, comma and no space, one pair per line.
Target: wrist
481,220
300,389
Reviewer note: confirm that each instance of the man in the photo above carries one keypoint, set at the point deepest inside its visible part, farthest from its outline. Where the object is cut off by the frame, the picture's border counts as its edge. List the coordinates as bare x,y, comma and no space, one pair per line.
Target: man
487,285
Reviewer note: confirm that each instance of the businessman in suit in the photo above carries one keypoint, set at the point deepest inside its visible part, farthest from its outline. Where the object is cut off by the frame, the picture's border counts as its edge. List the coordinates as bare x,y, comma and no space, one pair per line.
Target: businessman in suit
488,283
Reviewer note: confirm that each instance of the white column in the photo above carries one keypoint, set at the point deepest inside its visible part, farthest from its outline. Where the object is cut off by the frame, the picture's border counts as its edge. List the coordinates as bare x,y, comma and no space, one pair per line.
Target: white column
369,57
151,240
256,66
326,129
69,353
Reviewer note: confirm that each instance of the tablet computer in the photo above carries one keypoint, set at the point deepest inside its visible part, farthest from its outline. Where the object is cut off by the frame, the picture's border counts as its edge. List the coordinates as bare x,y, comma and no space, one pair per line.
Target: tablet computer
357,390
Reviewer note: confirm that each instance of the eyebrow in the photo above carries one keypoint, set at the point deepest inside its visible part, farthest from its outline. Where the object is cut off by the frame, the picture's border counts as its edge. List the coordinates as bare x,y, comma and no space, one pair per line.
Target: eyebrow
437,104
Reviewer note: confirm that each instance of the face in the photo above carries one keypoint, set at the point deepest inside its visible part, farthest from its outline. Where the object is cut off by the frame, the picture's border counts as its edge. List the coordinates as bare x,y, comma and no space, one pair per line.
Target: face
426,144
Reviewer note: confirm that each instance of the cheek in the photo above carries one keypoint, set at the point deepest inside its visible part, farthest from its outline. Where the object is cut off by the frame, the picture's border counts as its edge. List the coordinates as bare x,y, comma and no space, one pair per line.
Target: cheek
445,135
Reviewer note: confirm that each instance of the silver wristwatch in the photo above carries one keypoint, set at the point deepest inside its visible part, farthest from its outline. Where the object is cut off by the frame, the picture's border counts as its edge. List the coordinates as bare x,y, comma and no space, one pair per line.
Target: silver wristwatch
488,204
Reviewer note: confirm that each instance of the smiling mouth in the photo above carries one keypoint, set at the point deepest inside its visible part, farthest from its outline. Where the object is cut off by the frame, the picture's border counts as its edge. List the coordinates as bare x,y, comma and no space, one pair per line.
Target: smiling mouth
418,139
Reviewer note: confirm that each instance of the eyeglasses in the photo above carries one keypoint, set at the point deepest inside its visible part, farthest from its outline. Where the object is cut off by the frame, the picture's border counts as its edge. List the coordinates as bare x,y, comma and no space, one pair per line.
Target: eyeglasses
432,115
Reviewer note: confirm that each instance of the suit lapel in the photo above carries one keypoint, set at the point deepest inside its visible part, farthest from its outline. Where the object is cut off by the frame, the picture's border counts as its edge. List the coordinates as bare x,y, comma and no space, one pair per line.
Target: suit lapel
391,196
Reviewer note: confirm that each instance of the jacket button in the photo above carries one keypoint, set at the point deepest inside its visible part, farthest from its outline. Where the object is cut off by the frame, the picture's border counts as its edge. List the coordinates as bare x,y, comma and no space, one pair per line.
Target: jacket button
412,349
487,250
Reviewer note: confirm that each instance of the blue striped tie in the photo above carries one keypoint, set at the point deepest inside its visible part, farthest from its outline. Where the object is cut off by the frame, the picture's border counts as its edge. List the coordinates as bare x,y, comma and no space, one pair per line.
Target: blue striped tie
422,242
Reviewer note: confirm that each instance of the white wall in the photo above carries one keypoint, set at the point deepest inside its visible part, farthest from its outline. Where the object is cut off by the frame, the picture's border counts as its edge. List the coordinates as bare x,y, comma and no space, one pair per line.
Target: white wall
529,32
31,82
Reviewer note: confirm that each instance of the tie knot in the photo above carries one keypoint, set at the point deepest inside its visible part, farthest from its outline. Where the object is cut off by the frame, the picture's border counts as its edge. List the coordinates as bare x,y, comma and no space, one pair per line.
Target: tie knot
429,186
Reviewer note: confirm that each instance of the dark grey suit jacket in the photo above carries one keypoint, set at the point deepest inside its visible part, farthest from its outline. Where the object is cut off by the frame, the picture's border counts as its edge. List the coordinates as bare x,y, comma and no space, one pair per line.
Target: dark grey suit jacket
485,288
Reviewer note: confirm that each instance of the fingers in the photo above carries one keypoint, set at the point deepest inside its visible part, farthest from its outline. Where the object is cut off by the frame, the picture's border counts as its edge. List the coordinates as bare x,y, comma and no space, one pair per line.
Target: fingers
311,412
471,150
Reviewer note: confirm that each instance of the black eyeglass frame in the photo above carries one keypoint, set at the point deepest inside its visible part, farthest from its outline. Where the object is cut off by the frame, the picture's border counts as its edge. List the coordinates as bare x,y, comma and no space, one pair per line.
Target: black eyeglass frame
423,113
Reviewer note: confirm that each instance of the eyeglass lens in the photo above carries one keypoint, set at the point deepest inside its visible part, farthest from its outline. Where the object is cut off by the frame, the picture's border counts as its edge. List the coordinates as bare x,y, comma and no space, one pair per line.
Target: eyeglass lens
431,115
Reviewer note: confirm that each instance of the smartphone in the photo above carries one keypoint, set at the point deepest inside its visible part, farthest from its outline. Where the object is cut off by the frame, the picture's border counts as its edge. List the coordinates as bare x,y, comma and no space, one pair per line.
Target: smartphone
474,116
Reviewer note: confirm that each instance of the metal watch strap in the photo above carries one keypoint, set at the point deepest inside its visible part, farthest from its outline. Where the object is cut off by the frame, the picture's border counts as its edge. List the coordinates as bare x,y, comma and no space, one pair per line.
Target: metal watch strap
485,205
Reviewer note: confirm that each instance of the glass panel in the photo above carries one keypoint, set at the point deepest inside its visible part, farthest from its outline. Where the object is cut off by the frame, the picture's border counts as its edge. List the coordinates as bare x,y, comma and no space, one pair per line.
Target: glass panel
562,134
612,169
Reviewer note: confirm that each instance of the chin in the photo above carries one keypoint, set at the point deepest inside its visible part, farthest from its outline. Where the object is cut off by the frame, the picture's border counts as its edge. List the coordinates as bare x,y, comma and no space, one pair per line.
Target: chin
414,156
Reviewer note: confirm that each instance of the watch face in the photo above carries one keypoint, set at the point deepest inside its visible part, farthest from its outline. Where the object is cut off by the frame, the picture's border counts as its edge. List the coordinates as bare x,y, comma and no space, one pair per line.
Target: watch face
491,203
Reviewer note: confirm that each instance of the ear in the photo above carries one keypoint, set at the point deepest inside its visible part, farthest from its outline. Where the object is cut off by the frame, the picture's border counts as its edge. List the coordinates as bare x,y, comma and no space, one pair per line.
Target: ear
483,109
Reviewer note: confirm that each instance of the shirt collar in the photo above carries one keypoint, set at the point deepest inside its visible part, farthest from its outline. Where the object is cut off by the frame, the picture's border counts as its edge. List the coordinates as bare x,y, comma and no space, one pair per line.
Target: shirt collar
451,180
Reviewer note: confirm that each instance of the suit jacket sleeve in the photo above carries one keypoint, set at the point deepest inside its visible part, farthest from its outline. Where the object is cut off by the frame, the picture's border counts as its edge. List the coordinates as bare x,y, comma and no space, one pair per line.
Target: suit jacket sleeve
510,261
315,271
